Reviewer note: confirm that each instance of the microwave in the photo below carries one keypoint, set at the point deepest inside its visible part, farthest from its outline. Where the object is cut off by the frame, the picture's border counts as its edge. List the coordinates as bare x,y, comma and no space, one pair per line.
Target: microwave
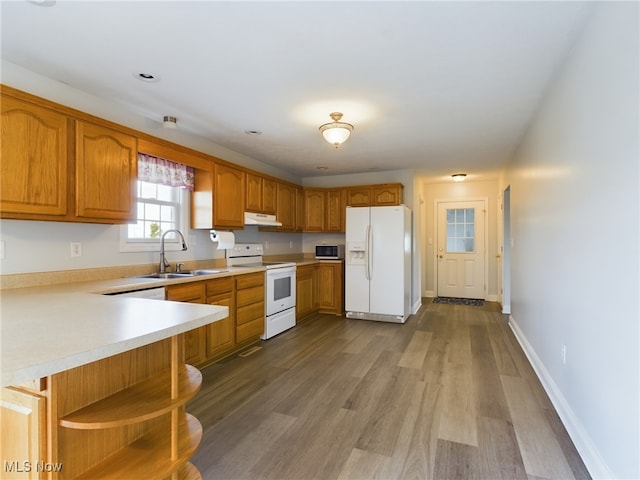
329,252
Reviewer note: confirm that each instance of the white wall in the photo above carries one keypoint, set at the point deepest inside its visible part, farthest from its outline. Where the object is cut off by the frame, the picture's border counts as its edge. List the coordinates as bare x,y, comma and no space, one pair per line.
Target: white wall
28,81
433,192
575,229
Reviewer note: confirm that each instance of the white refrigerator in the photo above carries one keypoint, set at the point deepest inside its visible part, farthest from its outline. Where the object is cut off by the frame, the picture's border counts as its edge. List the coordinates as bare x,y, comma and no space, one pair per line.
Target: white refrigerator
378,263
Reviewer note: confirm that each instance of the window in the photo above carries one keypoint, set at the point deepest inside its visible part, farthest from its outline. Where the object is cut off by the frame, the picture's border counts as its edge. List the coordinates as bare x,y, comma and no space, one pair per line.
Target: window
162,204
460,230
160,208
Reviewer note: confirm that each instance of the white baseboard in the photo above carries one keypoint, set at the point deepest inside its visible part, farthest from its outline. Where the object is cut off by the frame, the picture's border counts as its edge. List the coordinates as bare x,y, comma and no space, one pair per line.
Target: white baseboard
492,298
506,309
429,293
586,448
416,306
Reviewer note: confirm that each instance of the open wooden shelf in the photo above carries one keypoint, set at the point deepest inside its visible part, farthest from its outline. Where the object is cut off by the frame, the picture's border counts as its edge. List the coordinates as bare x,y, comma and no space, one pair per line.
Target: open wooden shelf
144,401
189,472
149,457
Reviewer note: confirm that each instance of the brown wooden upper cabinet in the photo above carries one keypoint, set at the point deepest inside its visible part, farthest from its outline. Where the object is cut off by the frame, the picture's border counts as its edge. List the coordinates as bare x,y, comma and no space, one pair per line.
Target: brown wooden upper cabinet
324,210
299,213
375,195
106,172
286,207
33,175
260,194
314,210
336,204
57,167
228,197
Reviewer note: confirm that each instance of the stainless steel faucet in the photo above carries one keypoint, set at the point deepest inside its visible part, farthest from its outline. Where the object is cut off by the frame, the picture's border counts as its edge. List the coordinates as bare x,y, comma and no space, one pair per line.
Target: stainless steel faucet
163,259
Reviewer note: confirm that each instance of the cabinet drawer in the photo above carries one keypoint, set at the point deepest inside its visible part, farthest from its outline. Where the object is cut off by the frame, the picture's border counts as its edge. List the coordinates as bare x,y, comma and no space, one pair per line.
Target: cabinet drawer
188,292
219,285
249,313
250,330
249,280
250,295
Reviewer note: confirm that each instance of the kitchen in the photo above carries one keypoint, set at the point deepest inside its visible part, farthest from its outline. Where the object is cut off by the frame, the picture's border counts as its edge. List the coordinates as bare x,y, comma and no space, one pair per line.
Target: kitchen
33,247
241,287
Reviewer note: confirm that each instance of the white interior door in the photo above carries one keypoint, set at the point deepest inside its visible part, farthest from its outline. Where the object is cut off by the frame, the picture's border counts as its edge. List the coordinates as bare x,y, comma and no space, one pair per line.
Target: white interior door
461,249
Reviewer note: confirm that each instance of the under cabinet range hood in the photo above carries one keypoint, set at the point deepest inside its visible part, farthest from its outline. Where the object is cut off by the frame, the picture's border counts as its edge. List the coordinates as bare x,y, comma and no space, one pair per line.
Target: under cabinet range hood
262,219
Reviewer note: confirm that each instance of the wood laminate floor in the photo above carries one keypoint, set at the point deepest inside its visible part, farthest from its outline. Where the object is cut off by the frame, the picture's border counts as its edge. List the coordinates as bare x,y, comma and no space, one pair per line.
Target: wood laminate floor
448,395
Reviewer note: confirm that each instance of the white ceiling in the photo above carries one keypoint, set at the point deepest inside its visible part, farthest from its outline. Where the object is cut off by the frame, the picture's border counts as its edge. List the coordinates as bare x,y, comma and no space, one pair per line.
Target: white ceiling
438,87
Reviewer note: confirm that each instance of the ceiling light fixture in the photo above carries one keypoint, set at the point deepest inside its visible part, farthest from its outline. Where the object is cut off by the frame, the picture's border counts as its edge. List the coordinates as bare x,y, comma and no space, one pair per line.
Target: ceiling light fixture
458,177
336,132
169,122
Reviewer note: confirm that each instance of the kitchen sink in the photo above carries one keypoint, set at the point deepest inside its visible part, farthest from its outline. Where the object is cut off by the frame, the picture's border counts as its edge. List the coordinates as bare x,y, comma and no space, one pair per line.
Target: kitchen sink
183,274
203,272
165,275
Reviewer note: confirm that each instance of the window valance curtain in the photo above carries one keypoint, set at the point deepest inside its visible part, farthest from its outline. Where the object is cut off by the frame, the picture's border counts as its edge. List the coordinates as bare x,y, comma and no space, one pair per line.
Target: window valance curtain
158,170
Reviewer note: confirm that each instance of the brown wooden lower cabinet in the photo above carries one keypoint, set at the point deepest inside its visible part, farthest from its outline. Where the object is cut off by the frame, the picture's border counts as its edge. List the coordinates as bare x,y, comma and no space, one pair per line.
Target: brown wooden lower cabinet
194,340
320,288
306,286
250,306
221,335
243,294
331,287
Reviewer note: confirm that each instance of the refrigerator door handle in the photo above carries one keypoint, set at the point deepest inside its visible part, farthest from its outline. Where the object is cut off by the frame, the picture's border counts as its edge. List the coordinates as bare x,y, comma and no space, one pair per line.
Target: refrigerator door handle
369,244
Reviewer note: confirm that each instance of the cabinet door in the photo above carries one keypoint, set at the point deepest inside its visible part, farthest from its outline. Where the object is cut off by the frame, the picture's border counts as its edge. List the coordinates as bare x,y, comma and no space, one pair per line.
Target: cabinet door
387,194
23,434
286,207
33,171
221,335
106,172
336,204
194,340
299,224
359,196
330,288
253,197
269,196
229,197
314,210
305,291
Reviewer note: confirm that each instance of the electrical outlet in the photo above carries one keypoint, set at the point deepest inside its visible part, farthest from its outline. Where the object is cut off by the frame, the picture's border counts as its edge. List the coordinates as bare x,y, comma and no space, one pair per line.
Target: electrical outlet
76,249
563,354
291,244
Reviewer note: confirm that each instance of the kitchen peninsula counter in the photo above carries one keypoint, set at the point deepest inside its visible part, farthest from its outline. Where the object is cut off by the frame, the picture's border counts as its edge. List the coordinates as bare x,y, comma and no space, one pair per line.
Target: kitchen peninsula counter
112,405
49,329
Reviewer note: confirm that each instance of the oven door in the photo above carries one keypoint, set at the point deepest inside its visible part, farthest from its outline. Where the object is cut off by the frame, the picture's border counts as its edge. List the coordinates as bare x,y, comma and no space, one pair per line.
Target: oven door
280,289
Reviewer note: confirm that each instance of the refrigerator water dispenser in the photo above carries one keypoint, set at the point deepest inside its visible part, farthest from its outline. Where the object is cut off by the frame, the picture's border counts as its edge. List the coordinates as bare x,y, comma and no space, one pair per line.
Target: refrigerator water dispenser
356,253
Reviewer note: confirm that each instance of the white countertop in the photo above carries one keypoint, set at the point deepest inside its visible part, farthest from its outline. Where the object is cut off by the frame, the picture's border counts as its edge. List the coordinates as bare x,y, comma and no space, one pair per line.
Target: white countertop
46,330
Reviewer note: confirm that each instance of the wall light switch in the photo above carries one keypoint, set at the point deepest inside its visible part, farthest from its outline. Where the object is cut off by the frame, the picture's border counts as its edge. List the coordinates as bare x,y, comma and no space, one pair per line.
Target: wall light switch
76,249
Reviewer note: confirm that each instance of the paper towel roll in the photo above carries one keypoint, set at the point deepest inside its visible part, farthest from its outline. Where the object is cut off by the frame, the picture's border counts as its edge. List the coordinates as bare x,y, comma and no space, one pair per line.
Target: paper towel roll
223,239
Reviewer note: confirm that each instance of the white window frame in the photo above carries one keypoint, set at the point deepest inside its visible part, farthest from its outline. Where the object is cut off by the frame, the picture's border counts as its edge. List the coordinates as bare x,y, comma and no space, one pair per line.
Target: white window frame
153,244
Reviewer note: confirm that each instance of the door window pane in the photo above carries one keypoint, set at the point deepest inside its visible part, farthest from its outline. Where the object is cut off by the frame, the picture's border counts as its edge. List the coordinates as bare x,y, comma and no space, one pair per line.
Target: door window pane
460,230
